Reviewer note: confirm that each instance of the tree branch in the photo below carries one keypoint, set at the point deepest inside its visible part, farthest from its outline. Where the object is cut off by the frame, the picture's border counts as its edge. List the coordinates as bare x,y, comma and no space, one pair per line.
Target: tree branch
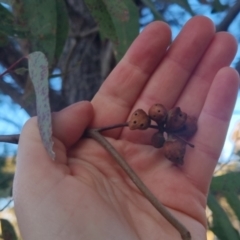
10,138
8,56
231,14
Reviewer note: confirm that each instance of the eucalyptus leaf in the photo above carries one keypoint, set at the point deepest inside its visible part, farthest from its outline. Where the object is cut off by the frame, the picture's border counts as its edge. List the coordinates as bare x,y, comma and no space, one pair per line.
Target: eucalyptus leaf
102,17
226,183
40,17
117,20
233,200
221,225
8,25
8,231
38,71
125,18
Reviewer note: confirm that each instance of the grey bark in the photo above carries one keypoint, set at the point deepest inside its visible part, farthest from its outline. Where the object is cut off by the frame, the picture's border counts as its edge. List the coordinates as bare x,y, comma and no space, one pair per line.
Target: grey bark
81,58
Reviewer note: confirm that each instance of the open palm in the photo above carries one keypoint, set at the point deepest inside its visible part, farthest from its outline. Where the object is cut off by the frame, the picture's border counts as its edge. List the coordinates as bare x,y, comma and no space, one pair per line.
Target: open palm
84,194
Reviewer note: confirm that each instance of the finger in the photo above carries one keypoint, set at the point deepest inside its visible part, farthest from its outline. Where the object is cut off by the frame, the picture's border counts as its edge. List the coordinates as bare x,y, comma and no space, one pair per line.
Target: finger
68,125
216,57
182,58
170,78
213,124
120,90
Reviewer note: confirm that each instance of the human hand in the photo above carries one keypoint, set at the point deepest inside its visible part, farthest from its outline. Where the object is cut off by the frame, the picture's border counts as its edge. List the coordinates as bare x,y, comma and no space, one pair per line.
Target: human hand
84,194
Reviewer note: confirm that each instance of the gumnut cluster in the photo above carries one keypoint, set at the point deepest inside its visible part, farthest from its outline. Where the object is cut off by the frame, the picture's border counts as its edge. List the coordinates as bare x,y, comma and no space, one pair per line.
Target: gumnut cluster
172,127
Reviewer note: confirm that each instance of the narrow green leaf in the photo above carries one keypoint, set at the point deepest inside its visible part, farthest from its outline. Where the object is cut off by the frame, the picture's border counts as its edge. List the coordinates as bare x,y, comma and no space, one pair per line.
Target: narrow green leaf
233,201
62,27
8,26
221,225
8,231
40,17
226,183
153,9
125,18
38,71
102,18
117,20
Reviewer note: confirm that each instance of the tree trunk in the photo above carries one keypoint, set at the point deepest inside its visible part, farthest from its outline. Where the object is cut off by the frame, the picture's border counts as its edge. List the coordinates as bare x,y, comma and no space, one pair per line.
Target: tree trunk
80,62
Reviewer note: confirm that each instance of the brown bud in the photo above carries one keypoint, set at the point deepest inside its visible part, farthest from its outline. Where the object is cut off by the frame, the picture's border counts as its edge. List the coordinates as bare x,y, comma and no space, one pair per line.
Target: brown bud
158,113
175,119
190,127
139,120
174,151
158,140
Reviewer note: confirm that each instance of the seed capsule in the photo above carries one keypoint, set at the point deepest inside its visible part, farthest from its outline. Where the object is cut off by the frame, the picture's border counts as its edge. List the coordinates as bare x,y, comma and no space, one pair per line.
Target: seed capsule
139,120
174,151
158,140
158,113
190,127
175,119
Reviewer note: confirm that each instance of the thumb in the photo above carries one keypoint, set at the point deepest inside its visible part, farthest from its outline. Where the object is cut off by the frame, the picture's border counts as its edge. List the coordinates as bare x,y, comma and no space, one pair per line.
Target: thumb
70,123
36,174
68,126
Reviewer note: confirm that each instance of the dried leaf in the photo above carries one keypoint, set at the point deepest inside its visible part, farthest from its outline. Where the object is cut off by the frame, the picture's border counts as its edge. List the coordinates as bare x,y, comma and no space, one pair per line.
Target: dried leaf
38,71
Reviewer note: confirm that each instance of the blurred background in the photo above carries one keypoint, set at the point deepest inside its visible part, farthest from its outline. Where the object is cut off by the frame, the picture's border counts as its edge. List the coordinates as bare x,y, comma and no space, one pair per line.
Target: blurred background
83,41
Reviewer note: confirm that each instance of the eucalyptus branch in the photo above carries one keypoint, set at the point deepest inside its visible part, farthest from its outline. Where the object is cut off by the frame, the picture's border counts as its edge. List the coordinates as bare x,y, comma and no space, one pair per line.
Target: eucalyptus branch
10,138
12,66
120,125
95,134
8,203
230,16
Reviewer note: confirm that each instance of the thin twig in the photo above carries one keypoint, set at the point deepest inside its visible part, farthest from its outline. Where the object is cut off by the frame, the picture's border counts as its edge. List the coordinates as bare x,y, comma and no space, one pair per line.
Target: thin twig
95,134
10,138
182,139
120,125
8,203
12,66
230,16
112,127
